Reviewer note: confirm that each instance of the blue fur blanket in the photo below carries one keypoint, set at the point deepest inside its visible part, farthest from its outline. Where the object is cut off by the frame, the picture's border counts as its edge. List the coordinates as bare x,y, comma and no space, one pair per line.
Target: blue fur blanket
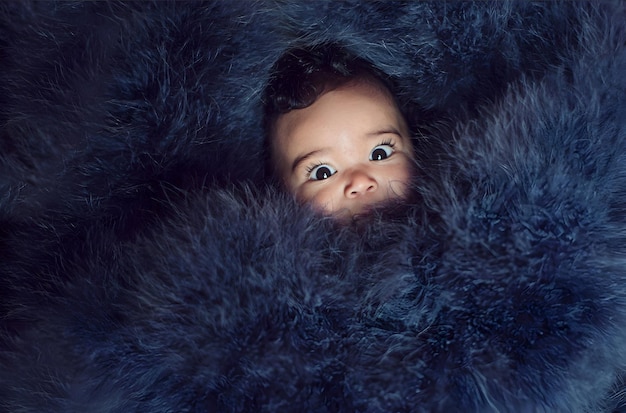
146,267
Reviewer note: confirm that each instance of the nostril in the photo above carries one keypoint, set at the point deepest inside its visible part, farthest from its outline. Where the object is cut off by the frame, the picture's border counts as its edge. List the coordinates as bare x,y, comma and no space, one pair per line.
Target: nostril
356,190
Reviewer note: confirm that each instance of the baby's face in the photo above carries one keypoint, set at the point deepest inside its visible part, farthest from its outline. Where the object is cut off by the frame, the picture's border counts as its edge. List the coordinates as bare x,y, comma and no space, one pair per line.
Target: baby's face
346,152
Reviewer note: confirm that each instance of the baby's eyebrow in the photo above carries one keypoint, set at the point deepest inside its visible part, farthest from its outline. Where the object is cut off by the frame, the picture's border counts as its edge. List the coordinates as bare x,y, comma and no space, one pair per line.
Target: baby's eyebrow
303,158
385,131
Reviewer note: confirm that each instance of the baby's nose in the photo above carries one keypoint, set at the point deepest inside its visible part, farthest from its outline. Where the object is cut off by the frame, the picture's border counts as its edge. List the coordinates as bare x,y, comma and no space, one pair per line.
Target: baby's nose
360,183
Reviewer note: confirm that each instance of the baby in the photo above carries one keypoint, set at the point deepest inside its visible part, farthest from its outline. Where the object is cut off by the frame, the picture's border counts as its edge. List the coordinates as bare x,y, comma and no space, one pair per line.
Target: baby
336,136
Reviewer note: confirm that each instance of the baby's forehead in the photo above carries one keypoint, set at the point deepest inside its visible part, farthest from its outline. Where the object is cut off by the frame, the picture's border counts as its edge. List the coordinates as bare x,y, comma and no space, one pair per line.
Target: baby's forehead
328,106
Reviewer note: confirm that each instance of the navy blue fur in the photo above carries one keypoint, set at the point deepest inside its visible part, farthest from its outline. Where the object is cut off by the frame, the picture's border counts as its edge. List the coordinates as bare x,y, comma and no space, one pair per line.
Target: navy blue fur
144,266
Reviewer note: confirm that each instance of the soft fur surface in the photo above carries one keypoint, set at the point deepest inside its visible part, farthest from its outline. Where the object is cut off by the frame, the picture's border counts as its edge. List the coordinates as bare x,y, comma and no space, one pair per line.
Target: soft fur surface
146,267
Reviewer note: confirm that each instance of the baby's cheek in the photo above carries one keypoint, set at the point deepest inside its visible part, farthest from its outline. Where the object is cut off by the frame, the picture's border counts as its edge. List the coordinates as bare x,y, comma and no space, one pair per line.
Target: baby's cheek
320,199
323,202
400,179
398,188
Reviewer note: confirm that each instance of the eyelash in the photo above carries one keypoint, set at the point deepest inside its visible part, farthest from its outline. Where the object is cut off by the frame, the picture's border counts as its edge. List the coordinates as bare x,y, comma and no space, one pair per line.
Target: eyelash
387,142
310,168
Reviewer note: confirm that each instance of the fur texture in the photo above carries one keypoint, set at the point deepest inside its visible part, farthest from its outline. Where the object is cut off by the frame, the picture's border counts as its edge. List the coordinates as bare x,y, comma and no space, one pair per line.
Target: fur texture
145,267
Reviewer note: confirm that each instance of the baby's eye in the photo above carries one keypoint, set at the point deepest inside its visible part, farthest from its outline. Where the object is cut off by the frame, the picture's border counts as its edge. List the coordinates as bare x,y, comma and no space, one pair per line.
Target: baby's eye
381,152
321,172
